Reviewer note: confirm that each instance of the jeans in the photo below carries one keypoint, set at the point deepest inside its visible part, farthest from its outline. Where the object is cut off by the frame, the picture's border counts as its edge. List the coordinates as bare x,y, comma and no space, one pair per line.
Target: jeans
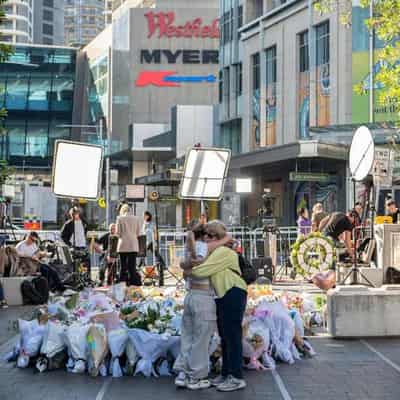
230,312
198,326
128,269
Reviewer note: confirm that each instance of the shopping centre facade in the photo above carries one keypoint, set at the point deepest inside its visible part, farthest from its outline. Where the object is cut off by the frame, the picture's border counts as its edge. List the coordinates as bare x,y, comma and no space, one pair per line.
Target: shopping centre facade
149,86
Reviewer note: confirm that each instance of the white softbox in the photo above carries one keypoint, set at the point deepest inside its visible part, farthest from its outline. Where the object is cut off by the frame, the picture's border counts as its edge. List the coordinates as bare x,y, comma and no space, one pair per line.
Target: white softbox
77,170
205,173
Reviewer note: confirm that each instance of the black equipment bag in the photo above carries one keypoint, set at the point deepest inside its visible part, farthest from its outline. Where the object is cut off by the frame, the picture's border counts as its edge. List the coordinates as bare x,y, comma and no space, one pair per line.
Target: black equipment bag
392,276
248,272
142,246
35,291
264,267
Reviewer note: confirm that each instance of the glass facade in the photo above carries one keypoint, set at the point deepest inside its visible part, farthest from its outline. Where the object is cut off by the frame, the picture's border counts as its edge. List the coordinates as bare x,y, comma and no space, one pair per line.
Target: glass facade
303,82
270,55
37,87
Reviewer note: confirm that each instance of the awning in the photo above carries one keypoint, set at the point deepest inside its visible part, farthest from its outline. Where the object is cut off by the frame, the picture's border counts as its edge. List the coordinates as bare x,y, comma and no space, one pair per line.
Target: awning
145,154
300,149
170,177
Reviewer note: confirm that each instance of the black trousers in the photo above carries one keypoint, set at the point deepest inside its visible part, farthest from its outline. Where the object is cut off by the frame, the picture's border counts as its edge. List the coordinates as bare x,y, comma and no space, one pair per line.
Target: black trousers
52,277
128,269
230,312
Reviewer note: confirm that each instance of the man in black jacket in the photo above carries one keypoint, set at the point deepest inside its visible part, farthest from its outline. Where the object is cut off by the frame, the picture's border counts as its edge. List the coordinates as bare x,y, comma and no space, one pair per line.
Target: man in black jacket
73,233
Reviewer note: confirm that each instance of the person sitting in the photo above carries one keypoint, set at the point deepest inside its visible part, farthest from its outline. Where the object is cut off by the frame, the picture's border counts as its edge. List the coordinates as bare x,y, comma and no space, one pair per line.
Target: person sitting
107,246
30,257
392,211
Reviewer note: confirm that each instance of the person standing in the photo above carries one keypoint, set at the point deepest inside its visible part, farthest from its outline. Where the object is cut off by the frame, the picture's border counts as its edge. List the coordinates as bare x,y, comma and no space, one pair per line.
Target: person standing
392,211
303,222
318,214
222,267
73,233
107,246
128,230
148,231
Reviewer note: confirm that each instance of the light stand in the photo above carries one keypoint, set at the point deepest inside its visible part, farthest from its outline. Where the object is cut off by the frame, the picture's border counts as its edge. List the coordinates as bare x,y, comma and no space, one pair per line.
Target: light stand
361,159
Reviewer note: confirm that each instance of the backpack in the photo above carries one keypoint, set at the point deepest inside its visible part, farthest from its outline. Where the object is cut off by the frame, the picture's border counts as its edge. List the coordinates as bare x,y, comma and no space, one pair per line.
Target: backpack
248,272
35,291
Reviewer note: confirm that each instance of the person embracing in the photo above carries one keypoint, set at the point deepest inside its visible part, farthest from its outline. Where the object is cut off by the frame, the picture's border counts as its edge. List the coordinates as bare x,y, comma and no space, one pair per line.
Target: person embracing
222,268
199,314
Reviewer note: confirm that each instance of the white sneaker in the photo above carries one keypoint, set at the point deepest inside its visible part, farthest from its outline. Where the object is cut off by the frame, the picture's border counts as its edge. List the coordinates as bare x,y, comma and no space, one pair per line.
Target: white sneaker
231,384
217,380
198,384
180,380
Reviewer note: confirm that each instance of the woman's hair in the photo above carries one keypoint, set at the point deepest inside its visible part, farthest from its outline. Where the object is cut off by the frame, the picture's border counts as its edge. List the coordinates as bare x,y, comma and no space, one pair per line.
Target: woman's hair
317,208
149,215
216,229
124,210
302,211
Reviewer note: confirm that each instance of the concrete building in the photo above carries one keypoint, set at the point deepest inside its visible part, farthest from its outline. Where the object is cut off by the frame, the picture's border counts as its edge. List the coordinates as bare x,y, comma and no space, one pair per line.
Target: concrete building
282,72
38,94
84,20
148,61
18,27
48,27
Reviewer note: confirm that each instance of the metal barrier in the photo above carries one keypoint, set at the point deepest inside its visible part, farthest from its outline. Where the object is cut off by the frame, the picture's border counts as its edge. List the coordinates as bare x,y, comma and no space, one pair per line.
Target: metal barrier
172,242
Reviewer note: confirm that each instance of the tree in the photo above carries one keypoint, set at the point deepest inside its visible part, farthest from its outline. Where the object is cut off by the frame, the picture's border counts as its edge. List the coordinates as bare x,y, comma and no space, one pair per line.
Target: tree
385,25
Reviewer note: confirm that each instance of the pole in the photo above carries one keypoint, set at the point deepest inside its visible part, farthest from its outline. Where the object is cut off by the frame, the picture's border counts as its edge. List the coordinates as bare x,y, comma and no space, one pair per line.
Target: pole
371,66
107,155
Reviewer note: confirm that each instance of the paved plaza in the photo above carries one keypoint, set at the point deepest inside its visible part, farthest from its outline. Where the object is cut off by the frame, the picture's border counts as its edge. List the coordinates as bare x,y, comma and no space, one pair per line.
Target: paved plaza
342,370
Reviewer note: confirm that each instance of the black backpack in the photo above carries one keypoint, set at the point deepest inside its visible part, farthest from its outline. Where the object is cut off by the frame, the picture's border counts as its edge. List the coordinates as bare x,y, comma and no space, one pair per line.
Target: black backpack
35,291
248,272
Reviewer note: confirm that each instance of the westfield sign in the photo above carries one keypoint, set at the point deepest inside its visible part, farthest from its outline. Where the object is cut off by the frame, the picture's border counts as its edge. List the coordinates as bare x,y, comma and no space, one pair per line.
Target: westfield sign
163,24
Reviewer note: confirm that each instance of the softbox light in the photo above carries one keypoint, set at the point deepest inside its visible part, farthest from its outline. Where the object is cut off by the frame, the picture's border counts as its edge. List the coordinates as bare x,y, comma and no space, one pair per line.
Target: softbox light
205,173
77,170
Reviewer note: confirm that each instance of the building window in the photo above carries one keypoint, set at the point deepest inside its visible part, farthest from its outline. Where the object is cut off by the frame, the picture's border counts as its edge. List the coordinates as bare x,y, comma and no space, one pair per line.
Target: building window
47,40
270,55
47,29
255,62
322,74
226,90
322,45
48,15
22,10
303,85
48,3
22,25
240,19
256,71
303,52
220,87
238,79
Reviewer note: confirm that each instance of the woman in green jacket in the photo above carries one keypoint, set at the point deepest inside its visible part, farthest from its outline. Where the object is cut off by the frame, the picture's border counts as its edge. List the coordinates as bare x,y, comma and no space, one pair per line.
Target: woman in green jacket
222,267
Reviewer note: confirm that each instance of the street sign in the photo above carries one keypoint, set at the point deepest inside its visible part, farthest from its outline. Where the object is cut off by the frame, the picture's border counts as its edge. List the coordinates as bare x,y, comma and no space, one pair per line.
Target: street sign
383,167
135,192
308,177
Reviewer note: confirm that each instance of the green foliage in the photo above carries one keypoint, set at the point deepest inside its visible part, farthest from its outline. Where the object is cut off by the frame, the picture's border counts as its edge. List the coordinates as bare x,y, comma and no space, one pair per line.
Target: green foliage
385,23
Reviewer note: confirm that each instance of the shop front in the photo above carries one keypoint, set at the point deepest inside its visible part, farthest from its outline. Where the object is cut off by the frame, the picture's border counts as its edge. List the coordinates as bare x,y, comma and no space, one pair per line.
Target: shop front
290,177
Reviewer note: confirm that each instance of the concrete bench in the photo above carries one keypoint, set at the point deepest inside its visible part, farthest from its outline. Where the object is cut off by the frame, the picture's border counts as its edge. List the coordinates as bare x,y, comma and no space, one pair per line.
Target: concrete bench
12,289
359,311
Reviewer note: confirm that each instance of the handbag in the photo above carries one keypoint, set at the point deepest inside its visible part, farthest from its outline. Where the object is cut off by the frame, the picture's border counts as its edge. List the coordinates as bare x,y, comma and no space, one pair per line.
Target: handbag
142,246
